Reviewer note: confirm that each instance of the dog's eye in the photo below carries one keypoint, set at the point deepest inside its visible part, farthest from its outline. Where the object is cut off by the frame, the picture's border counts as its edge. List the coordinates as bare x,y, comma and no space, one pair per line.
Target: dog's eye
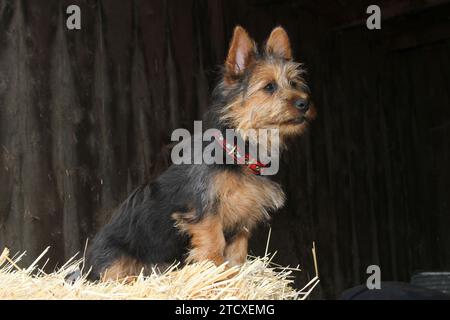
270,87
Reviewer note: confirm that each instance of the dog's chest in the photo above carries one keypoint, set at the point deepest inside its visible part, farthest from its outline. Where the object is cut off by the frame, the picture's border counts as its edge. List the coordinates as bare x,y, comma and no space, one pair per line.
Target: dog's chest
242,200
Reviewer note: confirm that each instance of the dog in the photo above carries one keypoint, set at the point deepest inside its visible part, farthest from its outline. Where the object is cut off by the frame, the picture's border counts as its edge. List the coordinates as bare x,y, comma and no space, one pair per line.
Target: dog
195,212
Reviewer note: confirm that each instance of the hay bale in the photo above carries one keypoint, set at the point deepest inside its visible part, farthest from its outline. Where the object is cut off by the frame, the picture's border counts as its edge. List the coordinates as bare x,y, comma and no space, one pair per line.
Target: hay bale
257,279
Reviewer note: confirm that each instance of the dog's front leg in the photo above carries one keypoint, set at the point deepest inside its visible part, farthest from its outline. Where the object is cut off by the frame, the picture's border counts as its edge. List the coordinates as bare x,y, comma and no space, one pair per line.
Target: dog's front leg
236,250
207,240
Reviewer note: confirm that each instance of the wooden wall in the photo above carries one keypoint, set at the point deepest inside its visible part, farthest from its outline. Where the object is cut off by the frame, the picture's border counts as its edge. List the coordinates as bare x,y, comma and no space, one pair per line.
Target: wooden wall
85,116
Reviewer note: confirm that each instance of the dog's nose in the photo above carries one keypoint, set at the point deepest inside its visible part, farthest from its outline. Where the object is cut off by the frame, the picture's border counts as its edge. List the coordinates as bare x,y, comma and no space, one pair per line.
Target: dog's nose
302,104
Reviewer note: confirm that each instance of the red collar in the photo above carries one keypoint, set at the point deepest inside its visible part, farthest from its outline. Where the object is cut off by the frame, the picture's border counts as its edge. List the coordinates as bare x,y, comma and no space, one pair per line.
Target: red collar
246,159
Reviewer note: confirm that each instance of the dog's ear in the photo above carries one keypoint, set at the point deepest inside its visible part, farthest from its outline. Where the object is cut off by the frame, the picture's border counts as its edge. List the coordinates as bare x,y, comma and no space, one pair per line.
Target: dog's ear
278,44
241,54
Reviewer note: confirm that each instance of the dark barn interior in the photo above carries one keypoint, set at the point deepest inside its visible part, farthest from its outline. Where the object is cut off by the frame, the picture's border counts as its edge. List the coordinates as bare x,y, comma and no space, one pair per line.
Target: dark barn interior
86,116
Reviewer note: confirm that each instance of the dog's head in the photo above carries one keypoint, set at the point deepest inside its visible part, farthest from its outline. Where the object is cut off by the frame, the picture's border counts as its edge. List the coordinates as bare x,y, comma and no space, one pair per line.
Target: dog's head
267,90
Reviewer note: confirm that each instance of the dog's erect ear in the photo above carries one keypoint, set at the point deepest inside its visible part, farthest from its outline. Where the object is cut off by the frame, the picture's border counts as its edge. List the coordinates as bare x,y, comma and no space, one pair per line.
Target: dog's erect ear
240,55
278,44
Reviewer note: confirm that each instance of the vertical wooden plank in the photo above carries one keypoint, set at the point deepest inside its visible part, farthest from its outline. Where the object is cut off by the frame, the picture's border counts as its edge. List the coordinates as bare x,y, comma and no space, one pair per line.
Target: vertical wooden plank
11,197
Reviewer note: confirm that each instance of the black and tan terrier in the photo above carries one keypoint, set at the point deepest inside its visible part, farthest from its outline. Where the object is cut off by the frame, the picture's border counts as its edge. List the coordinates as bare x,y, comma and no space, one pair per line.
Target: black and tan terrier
196,212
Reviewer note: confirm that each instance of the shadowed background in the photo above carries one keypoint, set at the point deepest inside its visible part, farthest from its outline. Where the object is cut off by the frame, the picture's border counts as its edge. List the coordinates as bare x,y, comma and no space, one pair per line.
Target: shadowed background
86,116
